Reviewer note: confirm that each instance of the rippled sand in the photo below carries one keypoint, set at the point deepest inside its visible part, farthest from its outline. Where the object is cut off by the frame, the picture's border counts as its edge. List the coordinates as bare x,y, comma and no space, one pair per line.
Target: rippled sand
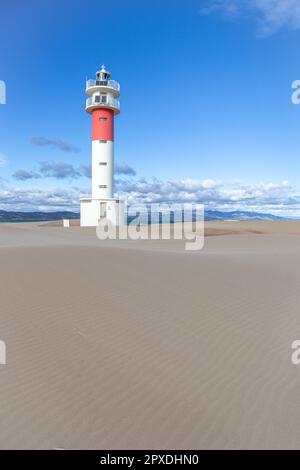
143,345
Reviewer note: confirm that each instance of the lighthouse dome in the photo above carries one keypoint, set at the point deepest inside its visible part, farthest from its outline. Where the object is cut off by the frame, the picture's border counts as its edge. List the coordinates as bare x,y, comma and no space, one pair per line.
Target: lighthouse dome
103,74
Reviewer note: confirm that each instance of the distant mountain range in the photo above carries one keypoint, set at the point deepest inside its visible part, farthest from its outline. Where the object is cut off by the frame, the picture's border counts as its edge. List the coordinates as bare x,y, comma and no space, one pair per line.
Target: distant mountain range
240,215
210,215
36,216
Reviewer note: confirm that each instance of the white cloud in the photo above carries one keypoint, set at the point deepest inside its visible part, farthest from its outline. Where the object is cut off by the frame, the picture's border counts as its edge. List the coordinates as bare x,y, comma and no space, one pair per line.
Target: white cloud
63,170
23,175
276,198
215,195
54,143
20,199
58,170
270,15
190,185
122,168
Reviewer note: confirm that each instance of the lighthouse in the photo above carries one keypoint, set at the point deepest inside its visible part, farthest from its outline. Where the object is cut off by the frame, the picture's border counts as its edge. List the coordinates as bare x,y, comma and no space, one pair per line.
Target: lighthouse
103,105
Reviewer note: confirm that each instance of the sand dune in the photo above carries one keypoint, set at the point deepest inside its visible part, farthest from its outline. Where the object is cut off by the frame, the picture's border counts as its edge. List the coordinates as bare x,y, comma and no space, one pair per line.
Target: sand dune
143,345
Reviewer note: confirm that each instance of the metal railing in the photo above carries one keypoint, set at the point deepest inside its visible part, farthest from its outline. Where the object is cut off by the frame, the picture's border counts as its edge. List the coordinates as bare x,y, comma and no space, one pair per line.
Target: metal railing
107,83
110,102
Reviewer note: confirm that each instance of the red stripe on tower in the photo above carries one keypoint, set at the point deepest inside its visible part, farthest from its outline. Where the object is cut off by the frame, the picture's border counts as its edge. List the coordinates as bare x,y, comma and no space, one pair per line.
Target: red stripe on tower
103,124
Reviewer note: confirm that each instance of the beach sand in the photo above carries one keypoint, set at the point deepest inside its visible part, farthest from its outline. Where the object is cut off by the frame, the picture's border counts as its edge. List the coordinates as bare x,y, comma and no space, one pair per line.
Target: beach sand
142,345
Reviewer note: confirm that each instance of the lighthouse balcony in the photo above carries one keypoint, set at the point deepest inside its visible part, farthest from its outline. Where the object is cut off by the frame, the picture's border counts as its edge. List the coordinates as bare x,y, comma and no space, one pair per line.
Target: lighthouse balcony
98,101
105,86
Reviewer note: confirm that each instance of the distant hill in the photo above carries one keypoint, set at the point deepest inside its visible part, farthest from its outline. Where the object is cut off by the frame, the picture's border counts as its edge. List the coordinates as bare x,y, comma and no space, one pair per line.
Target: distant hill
6,216
240,215
210,215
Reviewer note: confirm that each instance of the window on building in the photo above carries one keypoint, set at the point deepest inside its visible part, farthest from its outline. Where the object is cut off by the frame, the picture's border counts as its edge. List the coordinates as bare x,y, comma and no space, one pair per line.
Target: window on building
103,98
102,141
102,163
102,186
102,119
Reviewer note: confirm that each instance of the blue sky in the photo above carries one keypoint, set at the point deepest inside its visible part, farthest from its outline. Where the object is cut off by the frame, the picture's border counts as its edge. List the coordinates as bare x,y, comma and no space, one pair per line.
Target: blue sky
206,112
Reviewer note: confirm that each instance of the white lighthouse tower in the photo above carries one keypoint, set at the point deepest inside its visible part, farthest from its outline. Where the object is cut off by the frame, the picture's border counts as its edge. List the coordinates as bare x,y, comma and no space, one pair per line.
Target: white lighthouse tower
103,105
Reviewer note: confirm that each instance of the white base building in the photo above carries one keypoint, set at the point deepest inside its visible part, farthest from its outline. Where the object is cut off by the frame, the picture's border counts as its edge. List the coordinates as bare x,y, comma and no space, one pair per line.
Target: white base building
93,210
